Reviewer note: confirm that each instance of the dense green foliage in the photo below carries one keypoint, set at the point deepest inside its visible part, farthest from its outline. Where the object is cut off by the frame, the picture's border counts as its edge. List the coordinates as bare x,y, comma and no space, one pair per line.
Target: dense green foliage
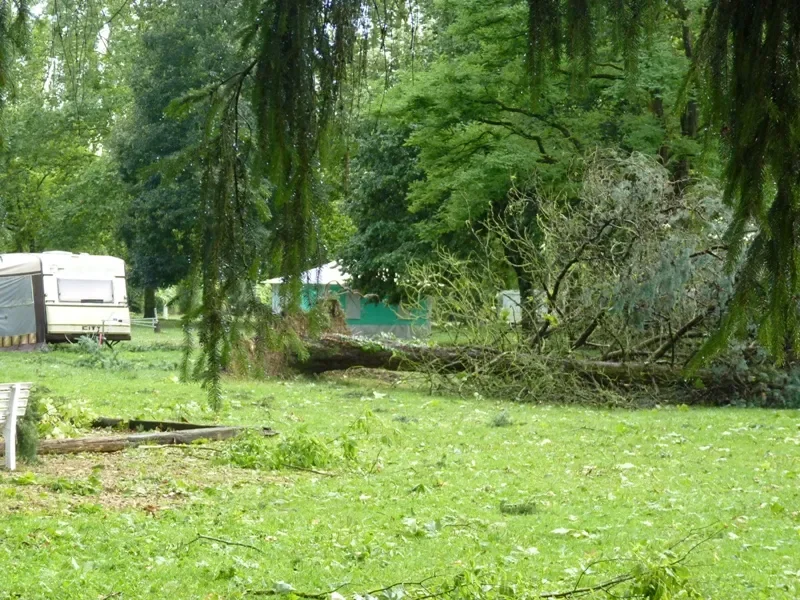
14,16
385,238
172,55
59,185
214,146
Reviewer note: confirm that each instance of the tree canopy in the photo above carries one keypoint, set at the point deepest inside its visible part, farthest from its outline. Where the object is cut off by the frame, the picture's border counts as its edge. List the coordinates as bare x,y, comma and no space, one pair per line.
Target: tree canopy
220,142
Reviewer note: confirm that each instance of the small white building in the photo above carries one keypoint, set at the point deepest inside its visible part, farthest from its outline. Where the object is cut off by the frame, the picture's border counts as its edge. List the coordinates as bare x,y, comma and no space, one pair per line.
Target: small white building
60,296
509,303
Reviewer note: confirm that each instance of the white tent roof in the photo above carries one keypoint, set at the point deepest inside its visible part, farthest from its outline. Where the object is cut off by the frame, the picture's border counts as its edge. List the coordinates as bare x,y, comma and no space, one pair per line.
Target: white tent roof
329,274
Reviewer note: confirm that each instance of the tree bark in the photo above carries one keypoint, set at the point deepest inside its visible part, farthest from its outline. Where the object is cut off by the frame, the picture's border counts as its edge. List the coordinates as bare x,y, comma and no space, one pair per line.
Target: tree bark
149,303
690,119
116,443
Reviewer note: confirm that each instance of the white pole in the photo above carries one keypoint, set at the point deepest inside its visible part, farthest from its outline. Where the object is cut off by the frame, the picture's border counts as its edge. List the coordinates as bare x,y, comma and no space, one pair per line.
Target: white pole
11,429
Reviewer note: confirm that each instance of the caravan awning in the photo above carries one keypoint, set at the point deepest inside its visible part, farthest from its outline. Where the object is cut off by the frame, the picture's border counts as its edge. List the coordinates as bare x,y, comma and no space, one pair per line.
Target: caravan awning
19,264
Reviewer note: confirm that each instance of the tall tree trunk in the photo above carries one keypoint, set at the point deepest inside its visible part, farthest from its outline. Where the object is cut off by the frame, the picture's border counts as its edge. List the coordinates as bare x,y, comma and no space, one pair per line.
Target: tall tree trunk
527,297
527,289
149,303
690,118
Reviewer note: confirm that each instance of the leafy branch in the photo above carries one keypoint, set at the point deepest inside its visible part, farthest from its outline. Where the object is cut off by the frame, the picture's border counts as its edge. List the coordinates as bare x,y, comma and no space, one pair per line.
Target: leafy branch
646,578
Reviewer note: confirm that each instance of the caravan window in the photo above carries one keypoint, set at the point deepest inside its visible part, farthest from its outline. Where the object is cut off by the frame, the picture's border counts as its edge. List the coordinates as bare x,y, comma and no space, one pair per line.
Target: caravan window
98,291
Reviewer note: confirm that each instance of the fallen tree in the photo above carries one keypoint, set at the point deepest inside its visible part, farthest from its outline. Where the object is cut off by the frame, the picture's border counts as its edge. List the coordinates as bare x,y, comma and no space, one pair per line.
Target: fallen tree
516,374
340,352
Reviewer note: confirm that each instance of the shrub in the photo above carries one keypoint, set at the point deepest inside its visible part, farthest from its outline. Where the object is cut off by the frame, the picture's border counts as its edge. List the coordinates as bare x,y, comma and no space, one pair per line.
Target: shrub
97,356
28,429
63,417
304,451
251,450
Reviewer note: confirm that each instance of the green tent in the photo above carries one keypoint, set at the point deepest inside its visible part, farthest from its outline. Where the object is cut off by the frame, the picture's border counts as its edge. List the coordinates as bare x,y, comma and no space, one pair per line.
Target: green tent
364,315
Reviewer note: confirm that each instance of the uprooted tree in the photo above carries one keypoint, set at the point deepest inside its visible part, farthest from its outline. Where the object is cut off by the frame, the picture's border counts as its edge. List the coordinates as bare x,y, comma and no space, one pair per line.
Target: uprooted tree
628,282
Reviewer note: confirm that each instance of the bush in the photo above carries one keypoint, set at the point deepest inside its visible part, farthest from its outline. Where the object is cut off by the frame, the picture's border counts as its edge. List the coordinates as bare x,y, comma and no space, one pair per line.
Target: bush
97,356
301,450
304,451
62,418
251,450
28,429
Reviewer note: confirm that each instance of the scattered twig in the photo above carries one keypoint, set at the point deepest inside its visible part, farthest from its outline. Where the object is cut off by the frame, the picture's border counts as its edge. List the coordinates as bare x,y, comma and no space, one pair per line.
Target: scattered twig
604,586
221,541
402,583
375,462
308,470
316,595
179,447
295,593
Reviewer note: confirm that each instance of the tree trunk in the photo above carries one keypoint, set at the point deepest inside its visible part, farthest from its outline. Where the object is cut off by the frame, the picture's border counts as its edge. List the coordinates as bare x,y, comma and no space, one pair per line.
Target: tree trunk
690,119
528,303
149,303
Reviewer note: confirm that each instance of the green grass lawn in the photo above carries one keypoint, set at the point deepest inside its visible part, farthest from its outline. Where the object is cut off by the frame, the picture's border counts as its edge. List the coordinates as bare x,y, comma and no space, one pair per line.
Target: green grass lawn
433,492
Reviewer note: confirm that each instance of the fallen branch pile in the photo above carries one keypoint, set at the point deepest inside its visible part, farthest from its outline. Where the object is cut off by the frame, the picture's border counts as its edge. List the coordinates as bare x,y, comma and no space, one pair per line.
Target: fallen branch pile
340,352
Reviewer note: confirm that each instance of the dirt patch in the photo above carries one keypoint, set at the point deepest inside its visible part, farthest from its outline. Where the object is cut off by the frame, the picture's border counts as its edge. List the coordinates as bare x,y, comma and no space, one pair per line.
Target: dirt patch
149,478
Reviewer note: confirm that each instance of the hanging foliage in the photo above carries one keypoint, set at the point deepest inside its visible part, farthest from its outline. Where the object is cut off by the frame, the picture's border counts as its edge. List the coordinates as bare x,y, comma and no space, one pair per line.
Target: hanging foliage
749,60
573,28
266,132
14,18
748,64
302,49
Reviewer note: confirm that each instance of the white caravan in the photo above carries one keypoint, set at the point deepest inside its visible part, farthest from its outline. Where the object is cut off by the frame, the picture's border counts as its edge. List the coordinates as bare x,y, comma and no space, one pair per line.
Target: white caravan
60,296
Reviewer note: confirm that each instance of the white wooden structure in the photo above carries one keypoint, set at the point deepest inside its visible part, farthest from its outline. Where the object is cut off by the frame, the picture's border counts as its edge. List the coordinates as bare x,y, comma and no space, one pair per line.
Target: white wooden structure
13,403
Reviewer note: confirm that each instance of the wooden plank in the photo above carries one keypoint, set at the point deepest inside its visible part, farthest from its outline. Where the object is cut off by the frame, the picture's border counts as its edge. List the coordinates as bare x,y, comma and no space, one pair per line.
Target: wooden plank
20,396
117,443
10,432
20,393
22,407
7,386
